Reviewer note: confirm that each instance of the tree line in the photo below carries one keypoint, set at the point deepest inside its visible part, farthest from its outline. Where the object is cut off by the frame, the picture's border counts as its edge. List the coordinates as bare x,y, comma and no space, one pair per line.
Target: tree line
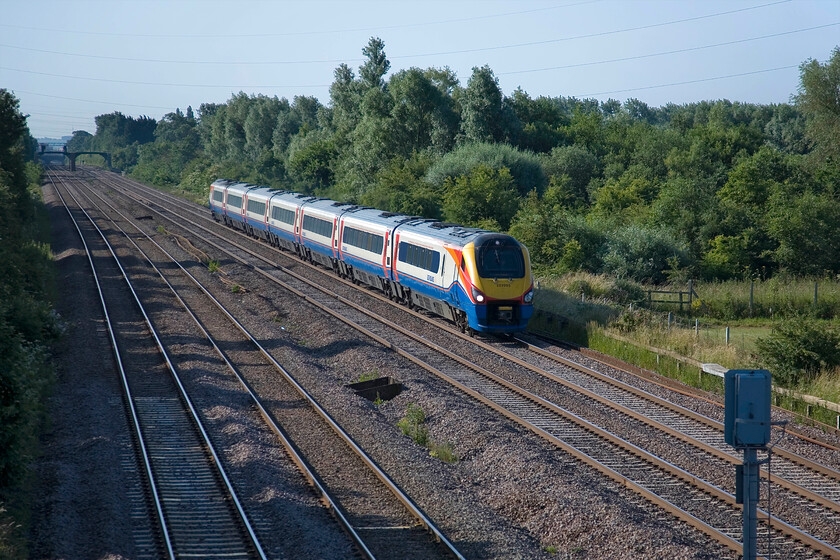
28,325
712,189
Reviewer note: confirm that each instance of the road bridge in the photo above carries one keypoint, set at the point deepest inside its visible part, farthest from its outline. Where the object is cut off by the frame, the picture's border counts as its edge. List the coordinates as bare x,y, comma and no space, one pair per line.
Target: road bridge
73,155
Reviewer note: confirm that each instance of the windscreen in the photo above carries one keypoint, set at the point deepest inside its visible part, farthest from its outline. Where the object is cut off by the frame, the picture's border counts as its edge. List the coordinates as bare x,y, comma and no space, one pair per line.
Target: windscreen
499,256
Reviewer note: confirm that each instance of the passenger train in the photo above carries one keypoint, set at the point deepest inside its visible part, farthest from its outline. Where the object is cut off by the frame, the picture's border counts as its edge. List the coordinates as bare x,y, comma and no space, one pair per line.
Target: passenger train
478,279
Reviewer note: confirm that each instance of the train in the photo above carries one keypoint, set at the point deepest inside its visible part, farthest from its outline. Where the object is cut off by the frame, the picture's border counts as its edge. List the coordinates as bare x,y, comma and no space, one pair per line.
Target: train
478,279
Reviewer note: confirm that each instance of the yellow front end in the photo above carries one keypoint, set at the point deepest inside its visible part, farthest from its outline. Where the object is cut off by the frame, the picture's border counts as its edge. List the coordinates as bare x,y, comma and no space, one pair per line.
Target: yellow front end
500,302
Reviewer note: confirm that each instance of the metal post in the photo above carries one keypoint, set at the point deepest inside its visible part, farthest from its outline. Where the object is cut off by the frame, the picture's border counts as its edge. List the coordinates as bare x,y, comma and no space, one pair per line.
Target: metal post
727,336
749,484
696,328
670,319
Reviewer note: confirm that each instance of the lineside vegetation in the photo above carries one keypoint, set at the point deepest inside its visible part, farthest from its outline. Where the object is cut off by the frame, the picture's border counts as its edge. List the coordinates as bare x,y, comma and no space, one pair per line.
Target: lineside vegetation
723,193
28,324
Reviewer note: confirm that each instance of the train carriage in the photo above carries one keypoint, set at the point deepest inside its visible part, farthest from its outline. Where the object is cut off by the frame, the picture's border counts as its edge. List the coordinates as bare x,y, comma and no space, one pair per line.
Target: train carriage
255,205
364,250
479,279
234,208
318,235
217,198
284,219
424,266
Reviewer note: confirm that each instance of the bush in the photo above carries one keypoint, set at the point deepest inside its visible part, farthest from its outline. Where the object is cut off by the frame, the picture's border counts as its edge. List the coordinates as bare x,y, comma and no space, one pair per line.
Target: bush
798,349
642,254
412,425
525,167
625,292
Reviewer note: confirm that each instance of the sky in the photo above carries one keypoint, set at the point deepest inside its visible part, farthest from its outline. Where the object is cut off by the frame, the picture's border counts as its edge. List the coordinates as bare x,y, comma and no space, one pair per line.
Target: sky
70,60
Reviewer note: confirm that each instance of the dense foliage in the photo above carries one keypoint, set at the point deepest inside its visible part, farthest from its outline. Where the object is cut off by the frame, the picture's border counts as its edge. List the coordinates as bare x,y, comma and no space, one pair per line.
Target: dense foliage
798,349
712,189
27,323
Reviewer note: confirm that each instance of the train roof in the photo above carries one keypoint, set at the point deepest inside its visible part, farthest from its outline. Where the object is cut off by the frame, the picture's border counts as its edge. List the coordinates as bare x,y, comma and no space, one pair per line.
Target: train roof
446,232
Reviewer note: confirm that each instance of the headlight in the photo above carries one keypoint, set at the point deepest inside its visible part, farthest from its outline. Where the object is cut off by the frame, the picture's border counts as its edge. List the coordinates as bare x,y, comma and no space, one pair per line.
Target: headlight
529,296
477,295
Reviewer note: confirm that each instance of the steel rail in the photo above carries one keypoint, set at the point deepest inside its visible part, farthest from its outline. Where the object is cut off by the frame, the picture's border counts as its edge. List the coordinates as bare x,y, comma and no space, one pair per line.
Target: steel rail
671,387
138,431
721,454
682,411
675,386
299,461
182,390
795,533
413,509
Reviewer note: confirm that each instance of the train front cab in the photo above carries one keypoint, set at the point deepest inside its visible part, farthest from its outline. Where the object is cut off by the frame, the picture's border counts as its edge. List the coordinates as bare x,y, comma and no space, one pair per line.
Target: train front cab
502,288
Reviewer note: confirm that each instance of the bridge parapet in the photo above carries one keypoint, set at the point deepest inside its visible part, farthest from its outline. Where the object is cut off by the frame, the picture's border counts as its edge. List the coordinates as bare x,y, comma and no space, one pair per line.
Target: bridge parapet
73,155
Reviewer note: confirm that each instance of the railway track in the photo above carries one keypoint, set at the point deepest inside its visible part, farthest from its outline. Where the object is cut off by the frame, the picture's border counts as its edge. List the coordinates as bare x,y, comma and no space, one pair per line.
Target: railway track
197,510
559,432
395,526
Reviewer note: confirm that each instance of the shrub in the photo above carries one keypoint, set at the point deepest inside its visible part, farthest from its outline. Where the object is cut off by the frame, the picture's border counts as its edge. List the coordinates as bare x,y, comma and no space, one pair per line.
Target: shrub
625,291
798,349
525,167
412,425
443,451
642,254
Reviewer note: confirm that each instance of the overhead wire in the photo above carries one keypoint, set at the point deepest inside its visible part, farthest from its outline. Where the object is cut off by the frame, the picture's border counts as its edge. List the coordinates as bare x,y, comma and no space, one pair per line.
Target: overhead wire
690,81
664,53
302,33
560,67
398,57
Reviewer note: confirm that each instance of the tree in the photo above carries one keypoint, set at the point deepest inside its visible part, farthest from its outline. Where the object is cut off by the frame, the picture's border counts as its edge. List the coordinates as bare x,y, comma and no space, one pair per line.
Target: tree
416,100
575,162
311,163
80,141
524,167
485,196
373,70
540,121
260,124
481,107
819,99
643,254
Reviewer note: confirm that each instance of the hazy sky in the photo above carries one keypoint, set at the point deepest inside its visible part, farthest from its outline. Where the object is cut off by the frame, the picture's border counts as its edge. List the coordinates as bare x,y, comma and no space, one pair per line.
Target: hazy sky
70,60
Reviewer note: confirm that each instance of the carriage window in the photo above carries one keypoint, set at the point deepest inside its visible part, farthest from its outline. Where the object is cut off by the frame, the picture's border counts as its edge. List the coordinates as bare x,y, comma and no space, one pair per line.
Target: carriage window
219,196
317,226
364,240
256,207
419,256
283,215
234,200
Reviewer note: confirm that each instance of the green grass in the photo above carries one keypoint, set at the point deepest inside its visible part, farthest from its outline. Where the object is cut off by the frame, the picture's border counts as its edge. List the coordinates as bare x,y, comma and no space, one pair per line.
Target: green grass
779,296
213,265
580,308
368,376
412,425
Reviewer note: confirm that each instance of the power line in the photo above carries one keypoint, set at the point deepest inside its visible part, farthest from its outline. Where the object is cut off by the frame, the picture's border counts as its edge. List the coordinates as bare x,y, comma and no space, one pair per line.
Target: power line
599,34
111,103
397,57
677,51
301,33
567,66
584,95
168,84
